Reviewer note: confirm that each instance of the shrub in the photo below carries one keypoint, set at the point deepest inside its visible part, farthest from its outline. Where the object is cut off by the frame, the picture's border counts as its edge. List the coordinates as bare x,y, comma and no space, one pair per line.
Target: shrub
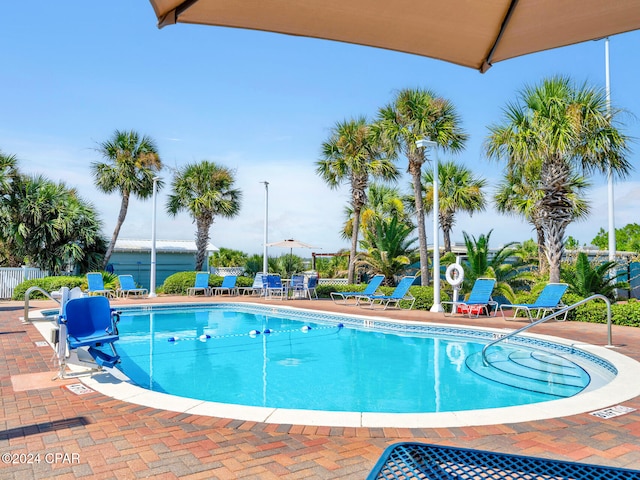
48,284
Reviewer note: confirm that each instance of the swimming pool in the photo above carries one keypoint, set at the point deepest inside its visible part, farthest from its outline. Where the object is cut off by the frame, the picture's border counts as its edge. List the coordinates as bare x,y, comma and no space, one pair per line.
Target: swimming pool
283,358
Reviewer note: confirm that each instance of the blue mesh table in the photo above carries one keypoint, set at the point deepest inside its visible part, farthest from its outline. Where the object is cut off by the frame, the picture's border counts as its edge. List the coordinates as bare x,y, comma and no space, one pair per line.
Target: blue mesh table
405,461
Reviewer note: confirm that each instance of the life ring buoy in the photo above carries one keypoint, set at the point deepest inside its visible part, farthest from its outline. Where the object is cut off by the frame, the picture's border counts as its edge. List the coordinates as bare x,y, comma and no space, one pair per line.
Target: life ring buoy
454,274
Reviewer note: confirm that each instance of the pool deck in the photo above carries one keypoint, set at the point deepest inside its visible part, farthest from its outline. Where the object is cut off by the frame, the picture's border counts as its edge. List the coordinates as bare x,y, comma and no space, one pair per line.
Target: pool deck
47,429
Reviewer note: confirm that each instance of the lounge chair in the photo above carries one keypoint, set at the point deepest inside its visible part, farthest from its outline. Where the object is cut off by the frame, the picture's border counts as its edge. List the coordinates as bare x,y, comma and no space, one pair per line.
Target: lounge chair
400,293
201,285
549,299
310,287
228,285
257,288
90,322
276,287
479,300
96,285
371,289
129,287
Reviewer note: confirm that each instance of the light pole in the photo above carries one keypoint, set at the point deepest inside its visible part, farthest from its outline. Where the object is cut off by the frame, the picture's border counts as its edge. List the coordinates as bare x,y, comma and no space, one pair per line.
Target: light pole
612,227
152,281
437,306
265,263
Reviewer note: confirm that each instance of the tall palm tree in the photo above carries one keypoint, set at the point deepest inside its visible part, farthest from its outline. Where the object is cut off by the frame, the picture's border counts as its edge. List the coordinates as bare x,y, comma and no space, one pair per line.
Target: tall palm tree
518,194
413,115
131,163
352,154
567,128
8,172
459,191
205,190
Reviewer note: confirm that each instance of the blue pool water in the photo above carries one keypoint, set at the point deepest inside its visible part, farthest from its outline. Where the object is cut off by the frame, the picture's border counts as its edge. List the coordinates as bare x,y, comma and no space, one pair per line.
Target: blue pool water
313,362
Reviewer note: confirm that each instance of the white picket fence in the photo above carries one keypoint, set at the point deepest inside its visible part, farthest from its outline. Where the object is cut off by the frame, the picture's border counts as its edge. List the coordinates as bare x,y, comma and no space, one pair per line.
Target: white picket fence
11,277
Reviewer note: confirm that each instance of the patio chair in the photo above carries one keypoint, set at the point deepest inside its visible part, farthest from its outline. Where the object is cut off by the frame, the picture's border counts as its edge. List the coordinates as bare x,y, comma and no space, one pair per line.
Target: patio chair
371,289
479,299
201,285
549,300
258,287
96,285
129,287
275,286
90,322
296,286
310,287
228,285
401,292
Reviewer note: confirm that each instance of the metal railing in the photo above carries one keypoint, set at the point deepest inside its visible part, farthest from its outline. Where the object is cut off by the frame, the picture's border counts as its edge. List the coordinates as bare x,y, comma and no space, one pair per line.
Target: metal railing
27,295
549,317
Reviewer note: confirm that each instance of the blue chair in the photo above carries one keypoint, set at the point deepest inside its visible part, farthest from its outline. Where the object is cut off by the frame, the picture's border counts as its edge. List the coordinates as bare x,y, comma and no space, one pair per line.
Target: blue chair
258,287
401,292
90,322
549,300
228,285
296,286
275,286
310,287
129,287
96,285
201,285
479,300
371,289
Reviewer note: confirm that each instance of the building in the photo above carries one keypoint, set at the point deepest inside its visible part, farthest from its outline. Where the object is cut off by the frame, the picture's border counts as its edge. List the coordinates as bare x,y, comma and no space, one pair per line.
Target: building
133,257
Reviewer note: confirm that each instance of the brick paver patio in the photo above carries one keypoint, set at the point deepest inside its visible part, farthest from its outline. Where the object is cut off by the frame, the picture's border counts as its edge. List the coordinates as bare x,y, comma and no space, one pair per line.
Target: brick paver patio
47,430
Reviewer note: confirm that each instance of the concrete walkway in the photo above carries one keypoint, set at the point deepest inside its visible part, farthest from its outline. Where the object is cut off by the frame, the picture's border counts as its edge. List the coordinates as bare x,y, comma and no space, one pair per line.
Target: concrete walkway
48,430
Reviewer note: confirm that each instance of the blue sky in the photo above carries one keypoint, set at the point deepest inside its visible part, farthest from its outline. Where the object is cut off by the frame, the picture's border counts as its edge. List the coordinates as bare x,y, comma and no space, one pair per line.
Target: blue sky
260,103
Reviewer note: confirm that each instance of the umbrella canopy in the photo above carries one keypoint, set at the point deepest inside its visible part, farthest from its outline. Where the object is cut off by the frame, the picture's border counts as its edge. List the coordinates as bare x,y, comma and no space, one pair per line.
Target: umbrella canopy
471,33
290,244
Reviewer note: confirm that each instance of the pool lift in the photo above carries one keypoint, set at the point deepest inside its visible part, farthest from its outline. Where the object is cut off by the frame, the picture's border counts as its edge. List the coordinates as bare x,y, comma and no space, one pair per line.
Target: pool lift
85,326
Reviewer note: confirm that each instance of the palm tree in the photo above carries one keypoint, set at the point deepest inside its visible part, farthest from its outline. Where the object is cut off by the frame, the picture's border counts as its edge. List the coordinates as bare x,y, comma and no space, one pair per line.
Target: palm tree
8,172
389,250
459,191
567,129
131,163
352,155
413,115
518,194
585,279
204,190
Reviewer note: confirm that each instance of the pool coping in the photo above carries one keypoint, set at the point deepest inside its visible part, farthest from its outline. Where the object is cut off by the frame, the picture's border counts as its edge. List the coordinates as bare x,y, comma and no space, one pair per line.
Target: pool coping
114,384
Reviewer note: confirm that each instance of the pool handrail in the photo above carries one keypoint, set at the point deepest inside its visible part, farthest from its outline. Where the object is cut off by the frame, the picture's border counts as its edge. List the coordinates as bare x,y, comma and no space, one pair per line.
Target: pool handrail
27,297
555,314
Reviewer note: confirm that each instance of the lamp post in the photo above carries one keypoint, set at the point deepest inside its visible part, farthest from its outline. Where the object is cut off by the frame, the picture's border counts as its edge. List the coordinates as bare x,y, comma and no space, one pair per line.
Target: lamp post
437,306
265,263
152,281
612,227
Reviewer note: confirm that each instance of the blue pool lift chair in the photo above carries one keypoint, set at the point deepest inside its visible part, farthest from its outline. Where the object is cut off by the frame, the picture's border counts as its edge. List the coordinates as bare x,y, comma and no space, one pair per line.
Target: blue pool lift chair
479,300
201,285
228,286
90,322
96,285
549,300
371,289
400,293
129,287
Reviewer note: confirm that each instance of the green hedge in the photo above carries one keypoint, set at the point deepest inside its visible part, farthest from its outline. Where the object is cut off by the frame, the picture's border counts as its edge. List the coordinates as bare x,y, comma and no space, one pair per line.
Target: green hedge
424,295
48,284
178,283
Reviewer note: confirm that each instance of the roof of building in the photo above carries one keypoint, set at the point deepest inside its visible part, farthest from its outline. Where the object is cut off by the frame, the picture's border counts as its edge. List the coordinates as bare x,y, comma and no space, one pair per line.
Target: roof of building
167,246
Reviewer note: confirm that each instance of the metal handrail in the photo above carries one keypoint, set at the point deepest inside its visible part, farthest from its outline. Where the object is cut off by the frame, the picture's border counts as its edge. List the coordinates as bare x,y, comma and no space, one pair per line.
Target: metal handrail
27,294
549,317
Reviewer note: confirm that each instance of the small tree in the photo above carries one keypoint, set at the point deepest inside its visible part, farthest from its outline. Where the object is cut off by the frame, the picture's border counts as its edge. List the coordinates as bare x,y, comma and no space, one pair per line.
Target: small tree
585,278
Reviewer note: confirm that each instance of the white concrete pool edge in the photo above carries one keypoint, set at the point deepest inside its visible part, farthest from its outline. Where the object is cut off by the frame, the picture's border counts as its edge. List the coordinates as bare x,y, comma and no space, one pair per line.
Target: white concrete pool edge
113,383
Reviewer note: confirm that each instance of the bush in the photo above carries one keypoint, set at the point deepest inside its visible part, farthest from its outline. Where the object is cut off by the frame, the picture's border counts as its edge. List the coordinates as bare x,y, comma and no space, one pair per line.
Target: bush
423,295
621,313
48,284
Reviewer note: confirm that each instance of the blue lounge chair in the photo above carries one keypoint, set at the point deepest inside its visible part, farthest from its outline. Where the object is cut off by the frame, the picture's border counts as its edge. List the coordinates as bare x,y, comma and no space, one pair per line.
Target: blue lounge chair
549,299
371,289
479,300
276,287
96,285
401,292
201,285
228,285
310,287
90,322
129,287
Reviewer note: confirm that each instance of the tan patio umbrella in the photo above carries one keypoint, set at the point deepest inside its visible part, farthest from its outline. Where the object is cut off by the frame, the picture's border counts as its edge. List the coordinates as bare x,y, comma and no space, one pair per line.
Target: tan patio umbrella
472,33
290,244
